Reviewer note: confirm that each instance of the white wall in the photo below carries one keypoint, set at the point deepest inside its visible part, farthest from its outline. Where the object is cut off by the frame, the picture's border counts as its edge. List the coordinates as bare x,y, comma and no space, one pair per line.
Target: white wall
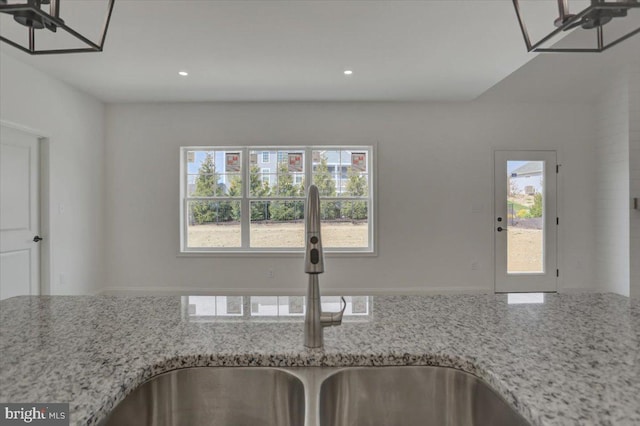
634,178
612,190
74,124
435,163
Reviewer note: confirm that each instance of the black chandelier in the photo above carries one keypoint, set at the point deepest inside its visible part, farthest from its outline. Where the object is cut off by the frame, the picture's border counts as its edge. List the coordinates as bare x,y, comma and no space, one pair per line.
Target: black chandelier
35,16
601,18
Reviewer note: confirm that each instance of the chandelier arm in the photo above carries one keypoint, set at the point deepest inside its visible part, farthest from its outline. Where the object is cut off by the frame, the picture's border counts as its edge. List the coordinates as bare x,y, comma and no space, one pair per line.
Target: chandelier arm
563,9
52,21
107,21
61,24
80,36
623,38
523,27
9,8
600,36
14,44
568,21
32,39
552,50
54,8
65,51
617,5
546,38
564,26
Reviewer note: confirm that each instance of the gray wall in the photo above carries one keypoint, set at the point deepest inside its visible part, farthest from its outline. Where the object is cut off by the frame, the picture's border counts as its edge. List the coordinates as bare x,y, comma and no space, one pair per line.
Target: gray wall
435,166
612,190
74,124
618,182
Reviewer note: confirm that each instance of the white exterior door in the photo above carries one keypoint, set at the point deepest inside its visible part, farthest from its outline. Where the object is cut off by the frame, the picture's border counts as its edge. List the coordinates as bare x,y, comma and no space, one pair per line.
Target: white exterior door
19,214
525,221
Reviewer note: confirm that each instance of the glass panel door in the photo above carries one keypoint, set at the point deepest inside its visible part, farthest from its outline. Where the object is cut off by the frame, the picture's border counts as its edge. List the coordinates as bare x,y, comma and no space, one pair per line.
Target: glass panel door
525,217
525,221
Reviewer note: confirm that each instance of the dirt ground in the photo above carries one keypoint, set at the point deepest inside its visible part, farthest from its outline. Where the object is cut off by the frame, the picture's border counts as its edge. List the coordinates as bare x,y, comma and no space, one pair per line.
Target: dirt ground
525,245
345,234
525,250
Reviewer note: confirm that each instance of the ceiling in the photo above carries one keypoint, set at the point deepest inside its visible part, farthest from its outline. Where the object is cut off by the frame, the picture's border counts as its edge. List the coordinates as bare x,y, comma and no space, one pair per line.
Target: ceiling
294,50
567,78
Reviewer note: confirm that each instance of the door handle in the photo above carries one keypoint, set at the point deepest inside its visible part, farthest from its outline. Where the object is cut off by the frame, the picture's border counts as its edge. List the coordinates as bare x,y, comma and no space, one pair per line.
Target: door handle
500,229
37,239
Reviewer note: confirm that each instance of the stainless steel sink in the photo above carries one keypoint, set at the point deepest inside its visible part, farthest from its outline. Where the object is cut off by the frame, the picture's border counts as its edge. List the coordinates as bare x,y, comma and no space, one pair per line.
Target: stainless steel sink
315,396
214,396
411,396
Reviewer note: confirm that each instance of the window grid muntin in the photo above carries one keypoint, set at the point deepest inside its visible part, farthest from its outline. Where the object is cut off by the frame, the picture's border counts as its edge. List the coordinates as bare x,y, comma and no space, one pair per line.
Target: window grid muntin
274,152
340,178
246,198
222,175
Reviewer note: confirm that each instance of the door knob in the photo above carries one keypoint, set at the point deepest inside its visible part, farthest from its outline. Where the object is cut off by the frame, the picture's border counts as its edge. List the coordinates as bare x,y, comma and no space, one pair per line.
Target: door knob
500,229
37,238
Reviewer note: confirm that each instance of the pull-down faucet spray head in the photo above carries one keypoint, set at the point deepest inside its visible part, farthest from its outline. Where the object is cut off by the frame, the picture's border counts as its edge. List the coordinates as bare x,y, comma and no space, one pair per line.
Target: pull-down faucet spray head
314,319
313,255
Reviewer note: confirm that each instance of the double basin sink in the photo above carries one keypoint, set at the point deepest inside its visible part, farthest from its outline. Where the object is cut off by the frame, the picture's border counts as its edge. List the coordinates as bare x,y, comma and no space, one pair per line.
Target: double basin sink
315,396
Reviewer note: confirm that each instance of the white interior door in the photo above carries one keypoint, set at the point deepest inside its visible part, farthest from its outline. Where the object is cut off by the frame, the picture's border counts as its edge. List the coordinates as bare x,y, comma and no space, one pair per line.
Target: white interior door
19,214
525,221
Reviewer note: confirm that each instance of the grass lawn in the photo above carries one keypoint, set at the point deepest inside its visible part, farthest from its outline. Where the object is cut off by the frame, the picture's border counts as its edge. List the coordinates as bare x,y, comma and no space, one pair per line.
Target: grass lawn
524,245
281,235
517,207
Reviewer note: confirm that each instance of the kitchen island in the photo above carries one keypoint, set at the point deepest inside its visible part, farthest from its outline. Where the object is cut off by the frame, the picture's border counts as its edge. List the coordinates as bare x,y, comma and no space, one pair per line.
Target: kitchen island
572,360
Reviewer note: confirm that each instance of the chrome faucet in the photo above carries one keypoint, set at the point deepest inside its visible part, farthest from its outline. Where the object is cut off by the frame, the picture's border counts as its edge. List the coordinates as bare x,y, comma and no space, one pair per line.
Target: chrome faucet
315,320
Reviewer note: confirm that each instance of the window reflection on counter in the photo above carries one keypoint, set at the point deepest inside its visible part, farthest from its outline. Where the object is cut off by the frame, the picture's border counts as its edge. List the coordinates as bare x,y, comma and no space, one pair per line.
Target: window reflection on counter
277,306
525,298
213,306
269,308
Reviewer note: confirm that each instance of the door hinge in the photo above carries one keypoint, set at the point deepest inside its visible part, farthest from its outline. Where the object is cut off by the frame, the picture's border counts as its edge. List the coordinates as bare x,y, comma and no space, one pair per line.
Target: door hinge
557,221
557,168
557,272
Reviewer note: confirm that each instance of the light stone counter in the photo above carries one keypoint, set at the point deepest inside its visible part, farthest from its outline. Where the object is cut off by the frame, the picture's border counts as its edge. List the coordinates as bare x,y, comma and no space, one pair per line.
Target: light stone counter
573,360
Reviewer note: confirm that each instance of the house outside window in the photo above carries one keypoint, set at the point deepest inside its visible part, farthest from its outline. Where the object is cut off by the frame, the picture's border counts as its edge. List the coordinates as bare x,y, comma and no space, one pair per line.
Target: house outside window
266,175
230,204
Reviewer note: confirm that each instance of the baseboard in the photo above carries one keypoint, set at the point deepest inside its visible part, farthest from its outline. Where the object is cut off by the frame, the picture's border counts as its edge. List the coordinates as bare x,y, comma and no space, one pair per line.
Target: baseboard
574,290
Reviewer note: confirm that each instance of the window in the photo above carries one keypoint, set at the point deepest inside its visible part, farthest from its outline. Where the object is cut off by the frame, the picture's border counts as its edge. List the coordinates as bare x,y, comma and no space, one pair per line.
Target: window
232,204
266,176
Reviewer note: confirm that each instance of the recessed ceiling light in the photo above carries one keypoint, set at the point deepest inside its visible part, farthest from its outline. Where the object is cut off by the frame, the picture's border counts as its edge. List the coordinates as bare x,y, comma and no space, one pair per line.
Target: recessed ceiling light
348,72
183,73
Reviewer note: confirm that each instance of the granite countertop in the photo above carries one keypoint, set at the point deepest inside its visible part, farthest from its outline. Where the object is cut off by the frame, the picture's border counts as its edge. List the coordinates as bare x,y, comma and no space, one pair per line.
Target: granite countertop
575,359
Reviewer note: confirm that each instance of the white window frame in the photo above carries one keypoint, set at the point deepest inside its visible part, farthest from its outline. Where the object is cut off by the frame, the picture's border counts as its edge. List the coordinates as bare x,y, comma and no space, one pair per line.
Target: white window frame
246,200
268,157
